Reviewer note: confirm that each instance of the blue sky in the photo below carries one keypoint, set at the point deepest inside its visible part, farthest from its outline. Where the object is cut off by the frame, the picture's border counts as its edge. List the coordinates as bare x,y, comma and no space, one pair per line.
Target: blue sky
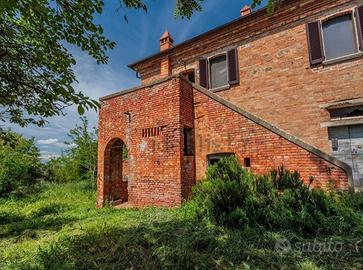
135,40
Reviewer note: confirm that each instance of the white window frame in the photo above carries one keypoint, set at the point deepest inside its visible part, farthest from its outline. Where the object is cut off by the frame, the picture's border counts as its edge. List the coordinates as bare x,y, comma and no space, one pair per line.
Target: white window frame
356,37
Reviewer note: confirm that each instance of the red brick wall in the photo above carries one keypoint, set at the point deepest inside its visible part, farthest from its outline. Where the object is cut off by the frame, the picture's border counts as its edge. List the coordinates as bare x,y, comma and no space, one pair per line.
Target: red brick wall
165,67
157,171
278,85
187,121
222,130
276,81
154,164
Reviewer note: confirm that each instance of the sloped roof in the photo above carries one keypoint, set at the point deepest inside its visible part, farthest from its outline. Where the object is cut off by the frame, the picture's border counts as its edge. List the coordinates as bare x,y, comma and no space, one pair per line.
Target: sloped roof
253,15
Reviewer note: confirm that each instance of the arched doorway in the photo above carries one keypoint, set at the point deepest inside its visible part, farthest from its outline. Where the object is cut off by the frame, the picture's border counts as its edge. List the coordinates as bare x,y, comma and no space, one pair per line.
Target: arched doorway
116,185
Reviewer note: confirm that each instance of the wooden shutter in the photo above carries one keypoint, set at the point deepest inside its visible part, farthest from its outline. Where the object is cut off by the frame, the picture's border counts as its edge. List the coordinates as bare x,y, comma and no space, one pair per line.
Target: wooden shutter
315,43
233,70
359,19
203,73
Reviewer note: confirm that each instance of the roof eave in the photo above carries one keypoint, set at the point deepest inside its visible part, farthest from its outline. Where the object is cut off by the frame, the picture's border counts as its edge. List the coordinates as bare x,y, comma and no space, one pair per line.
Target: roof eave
253,13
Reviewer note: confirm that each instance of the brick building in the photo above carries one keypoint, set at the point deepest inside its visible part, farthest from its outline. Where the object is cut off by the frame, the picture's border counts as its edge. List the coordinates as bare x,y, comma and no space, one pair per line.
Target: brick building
281,89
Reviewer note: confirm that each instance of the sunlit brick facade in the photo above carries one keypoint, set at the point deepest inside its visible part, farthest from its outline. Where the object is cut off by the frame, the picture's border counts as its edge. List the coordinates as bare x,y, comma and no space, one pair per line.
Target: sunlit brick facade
276,108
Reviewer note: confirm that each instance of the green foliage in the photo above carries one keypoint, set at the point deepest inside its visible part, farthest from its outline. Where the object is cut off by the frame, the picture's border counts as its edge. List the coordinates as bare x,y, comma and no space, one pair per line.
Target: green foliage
36,72
271,4
125,152
20,167
35,67
278,201
186,8
60,228
83,150
61,170
79,162
354,200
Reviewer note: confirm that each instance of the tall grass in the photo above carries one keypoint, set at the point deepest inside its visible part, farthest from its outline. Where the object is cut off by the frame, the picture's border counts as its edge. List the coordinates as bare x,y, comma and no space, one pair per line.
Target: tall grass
60,228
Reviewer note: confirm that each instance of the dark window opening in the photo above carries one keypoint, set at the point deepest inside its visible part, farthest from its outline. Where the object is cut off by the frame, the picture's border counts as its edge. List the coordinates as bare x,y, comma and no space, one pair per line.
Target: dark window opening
190,75
339,37
335,144
247,162
346,112
214,158
218,71
188,141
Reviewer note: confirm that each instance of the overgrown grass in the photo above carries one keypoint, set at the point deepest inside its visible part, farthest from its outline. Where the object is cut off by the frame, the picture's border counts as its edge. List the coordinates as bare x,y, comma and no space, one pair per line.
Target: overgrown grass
60,228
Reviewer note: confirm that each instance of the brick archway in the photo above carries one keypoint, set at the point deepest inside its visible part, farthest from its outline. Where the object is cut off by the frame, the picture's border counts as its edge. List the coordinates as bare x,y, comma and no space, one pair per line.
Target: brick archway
115,173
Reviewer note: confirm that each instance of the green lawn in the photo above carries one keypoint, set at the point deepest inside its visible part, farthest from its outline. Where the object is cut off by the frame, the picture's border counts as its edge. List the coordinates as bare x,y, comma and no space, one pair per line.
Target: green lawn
60,228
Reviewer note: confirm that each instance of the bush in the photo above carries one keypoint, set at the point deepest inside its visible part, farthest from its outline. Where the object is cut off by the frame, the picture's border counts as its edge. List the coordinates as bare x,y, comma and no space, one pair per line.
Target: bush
235,198
20,167
60,170
79,161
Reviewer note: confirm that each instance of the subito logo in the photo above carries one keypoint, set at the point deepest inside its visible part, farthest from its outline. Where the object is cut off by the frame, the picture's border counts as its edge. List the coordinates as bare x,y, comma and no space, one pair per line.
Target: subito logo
282,246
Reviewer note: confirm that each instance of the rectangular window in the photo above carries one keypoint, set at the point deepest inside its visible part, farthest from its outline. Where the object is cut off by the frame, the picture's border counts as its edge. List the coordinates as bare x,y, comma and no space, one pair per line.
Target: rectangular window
247,162
339,37
218,71
214,158
354,111
188,141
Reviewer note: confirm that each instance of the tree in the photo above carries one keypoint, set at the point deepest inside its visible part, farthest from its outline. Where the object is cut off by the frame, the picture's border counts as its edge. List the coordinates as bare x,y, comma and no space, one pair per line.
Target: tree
83,150
36,73
20,166
79,161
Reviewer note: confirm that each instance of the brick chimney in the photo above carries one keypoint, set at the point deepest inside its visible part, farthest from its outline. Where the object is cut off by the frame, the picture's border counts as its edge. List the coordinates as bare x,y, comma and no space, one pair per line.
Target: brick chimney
245,10
166,41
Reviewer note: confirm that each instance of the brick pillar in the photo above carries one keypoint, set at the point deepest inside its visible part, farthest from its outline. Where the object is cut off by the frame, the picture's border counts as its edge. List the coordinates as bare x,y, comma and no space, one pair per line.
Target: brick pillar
165,67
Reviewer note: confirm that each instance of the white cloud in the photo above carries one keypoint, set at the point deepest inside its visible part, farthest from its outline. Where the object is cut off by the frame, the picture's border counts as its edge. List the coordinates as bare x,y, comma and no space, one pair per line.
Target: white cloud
51,142
94,81
59,144
47,141
46,155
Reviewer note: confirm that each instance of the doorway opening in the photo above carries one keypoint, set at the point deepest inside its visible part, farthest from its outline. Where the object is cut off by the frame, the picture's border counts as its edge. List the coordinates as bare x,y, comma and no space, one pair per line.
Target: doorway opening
116,163
347,145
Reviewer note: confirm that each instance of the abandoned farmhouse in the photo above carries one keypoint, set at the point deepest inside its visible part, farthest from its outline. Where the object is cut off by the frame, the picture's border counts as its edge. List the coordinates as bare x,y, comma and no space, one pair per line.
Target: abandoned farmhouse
281,89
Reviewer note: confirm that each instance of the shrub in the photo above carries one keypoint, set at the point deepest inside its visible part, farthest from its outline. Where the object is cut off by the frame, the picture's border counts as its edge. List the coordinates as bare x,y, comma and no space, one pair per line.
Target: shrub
60,170
20,167
235,198
79,161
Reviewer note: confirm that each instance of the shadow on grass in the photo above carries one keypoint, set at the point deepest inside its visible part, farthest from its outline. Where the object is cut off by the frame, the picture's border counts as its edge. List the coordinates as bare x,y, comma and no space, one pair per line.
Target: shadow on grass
47,217
181,245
